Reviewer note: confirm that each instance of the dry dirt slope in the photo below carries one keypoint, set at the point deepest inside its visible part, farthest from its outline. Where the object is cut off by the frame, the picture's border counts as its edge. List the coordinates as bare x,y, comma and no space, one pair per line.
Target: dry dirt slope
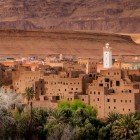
74,42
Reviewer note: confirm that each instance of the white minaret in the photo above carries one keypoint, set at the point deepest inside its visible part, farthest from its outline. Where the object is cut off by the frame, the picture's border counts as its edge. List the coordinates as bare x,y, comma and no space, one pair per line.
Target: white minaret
87,68
61,57
107,56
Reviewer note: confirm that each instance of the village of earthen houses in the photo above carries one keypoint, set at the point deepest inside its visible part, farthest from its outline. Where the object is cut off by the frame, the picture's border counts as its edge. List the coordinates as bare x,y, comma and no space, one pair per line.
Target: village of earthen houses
108,83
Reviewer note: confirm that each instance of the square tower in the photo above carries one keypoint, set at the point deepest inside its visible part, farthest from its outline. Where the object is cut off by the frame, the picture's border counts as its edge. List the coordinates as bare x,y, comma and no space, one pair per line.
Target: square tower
107,56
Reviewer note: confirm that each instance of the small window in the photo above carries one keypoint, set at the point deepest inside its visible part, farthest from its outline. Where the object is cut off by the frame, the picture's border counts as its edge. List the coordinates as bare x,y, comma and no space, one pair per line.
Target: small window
106,80
114,100
117,83
114,107
108,100
101,85
98,99
45,98
109,107
98,93
82,99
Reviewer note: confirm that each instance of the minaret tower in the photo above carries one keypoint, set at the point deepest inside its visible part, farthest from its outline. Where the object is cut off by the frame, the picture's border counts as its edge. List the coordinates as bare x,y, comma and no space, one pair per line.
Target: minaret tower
107,56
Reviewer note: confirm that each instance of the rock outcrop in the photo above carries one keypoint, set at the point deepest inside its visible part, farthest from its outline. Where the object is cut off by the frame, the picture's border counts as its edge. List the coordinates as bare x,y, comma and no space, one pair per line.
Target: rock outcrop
97,15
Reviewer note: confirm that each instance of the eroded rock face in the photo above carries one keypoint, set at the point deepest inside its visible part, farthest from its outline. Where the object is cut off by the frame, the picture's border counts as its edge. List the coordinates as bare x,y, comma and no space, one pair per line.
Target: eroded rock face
98,15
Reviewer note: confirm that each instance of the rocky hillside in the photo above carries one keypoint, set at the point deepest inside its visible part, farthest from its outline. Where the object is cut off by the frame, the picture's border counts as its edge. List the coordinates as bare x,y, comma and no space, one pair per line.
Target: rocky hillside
122,16
80,43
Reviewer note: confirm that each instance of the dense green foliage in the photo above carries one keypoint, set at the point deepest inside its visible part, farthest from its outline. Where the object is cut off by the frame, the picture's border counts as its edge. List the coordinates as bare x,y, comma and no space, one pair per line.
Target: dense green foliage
70,121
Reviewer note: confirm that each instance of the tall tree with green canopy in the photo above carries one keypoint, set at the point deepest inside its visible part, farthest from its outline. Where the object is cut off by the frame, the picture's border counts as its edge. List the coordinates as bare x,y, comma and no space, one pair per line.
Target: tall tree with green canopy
126,127
77,104
29,94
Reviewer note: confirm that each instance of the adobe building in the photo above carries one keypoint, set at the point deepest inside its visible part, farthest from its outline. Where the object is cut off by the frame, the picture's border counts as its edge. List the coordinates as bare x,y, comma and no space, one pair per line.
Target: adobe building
105,84
68,86
90,64
23,79
114,90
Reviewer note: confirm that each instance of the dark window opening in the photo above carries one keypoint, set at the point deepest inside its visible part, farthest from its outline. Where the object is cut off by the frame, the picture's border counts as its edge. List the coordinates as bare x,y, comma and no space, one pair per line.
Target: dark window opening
45,98
108,100
106,79
90,75
110,83
101,85
117,83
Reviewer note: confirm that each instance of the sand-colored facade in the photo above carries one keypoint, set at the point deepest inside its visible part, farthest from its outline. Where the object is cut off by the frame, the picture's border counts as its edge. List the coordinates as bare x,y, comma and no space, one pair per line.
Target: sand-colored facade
114,89
110,90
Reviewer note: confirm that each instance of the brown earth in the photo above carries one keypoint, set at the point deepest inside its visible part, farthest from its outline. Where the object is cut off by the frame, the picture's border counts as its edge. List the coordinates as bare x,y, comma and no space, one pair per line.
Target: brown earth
80,43
136,38
115,16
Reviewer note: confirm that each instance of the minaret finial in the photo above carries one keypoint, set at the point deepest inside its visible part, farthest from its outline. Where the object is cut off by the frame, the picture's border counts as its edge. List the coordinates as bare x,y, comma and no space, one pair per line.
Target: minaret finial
107,45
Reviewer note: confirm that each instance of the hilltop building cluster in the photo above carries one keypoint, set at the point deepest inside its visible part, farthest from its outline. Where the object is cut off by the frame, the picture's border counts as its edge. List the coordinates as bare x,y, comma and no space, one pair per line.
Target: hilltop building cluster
109,84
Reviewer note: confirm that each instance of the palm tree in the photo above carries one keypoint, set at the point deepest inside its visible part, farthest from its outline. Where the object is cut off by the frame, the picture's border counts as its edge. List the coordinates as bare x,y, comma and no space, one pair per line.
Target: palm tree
126,127
55,125
29,94
112,117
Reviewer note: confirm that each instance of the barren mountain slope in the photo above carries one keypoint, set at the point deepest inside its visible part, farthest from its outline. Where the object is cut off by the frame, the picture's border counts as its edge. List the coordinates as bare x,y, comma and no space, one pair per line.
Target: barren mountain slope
79,43
121,16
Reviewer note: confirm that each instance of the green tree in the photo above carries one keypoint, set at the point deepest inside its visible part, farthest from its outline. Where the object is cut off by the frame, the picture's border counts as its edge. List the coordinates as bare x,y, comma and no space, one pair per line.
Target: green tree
112,117
126,127
29,94
77,104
